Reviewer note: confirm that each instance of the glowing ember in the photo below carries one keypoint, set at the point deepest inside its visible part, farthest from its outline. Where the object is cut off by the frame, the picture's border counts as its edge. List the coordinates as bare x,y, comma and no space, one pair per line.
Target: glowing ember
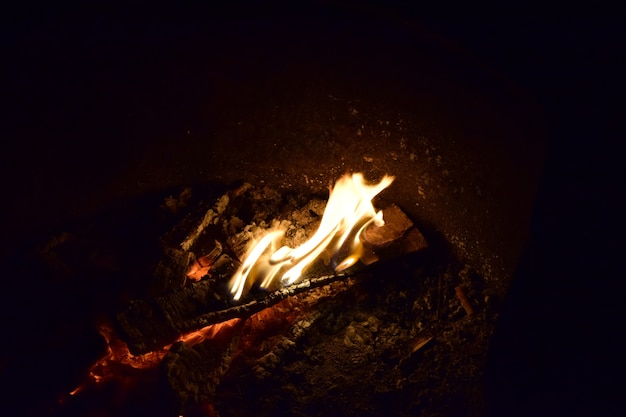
348,212
201,267
120,366
210,332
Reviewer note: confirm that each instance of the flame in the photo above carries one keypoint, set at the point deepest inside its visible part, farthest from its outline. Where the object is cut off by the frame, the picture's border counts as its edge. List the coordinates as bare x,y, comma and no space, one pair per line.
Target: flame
348,212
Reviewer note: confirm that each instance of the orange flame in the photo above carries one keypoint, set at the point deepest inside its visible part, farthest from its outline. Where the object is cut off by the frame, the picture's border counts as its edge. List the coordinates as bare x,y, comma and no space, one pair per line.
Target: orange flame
348,212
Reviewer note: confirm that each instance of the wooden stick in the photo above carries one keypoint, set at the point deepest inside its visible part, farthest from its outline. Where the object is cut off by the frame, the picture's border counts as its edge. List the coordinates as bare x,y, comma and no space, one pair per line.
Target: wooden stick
465,302
421,341
260,303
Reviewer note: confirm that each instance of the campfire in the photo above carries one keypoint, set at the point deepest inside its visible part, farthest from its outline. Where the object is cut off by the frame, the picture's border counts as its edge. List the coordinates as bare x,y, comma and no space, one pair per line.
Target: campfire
216,280
306,300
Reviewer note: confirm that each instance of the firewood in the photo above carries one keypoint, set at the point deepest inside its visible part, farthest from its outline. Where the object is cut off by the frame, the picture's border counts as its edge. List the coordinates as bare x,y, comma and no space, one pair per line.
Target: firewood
419,342
397,236
263,302
395,226
202,265
465,302
199,368
411,359
149,324
190,244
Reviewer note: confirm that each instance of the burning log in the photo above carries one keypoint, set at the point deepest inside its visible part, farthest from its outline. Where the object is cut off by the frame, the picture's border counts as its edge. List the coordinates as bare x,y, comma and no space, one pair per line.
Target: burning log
265,301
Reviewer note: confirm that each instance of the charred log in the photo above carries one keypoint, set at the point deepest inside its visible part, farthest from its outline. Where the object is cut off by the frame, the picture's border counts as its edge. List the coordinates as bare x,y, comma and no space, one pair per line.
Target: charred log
146,325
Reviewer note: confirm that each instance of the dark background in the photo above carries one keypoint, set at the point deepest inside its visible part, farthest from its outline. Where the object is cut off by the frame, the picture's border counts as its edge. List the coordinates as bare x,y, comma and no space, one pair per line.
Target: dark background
559,347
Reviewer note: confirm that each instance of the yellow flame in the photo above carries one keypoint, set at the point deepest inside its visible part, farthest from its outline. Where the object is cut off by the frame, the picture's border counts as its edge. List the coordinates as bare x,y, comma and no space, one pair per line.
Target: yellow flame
348,212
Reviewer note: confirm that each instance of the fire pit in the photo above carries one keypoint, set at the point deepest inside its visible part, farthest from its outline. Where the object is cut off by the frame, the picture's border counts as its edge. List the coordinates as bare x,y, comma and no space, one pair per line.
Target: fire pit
400,328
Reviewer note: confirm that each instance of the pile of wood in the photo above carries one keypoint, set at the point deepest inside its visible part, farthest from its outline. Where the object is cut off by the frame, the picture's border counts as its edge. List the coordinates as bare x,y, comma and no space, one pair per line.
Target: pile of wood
196,265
